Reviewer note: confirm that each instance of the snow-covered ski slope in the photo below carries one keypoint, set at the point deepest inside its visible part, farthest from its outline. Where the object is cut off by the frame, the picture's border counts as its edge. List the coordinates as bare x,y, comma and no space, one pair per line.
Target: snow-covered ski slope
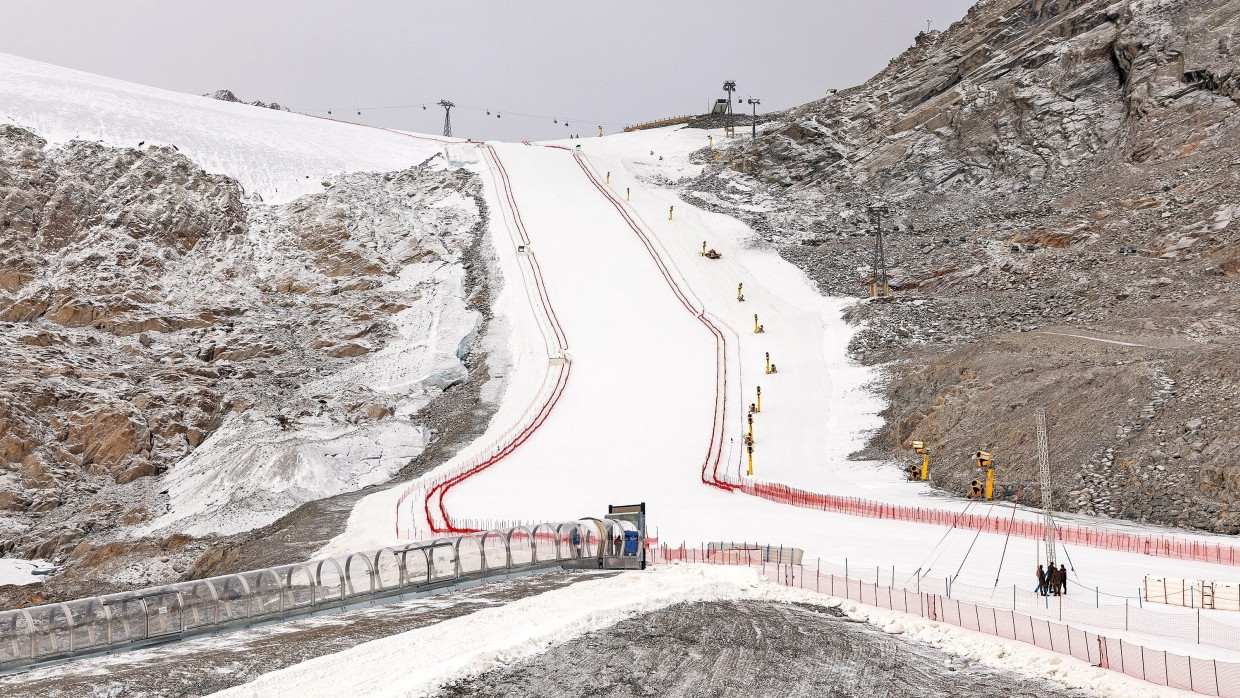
636,416
273,153
634,421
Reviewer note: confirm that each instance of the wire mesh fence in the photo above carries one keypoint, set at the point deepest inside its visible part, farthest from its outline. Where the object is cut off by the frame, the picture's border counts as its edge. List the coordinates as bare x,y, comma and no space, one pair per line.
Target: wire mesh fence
867,586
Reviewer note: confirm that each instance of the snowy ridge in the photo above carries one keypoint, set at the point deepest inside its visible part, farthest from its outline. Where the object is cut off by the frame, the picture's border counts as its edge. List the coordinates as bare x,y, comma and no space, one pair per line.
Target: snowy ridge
278,155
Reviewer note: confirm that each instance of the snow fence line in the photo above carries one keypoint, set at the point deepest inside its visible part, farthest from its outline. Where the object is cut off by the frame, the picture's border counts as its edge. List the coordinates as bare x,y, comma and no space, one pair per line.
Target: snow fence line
431,491
1205,676
1158,546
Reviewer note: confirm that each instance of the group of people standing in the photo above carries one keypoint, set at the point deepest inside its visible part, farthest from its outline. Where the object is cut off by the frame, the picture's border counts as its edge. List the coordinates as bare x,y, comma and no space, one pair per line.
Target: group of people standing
1054,581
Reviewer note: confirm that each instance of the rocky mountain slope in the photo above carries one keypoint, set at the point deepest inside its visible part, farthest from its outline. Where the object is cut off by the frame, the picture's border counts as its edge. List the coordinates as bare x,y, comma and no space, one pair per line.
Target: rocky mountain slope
1061,180
178,358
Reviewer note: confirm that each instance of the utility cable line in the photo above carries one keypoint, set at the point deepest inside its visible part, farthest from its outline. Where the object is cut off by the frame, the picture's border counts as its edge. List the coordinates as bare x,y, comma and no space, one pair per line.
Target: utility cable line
497,113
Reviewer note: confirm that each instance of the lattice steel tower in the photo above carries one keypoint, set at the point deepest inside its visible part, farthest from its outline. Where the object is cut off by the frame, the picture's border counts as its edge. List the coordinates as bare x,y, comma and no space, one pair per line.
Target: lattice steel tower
729,86
1044,468
447,116
879,283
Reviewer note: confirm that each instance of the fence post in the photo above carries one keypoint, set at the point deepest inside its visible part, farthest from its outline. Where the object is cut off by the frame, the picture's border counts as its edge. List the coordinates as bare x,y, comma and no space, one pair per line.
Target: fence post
1125,623
845,568
1097,598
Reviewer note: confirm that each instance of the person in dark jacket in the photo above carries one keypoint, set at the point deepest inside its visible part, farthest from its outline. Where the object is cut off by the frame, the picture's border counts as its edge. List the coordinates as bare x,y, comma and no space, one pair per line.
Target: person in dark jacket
1063,579
1041,581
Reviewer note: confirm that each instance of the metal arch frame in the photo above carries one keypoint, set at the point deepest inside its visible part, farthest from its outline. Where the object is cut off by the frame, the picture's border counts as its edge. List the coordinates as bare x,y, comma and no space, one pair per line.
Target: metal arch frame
63,608
432,568
456,547
288,583
279,589
508,539
318,578
400,568
249,594
555,541
575,548
370,574
602,535
29,631
498,535
194,585
404,563
123,617
89,608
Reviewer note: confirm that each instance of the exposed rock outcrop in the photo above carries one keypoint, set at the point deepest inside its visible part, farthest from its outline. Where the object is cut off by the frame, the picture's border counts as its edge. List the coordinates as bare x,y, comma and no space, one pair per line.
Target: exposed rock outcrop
1060,166
144,303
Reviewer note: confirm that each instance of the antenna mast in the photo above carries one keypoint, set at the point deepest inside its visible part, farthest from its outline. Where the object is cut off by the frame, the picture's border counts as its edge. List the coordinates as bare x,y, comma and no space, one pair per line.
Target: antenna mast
1044,467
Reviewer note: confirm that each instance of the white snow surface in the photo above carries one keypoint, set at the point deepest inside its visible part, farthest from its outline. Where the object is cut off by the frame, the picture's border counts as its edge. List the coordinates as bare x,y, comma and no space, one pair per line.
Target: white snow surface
276,154
433,656
15,571
252,471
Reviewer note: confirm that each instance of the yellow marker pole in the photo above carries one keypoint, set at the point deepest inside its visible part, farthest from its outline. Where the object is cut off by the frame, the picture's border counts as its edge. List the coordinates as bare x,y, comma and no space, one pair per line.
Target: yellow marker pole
670,210
703,248
750,449
710,140
609,178
755,323
759,399
990,483
768,362
751,428
925,465
626,193
716,156
740,292
600,130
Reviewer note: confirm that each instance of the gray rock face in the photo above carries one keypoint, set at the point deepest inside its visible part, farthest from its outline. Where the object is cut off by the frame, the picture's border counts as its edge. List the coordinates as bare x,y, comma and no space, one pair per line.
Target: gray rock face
143,302
1061,167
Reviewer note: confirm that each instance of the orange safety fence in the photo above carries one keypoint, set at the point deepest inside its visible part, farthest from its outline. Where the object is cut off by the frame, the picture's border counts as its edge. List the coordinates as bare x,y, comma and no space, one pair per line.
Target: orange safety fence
1205,676
1160,546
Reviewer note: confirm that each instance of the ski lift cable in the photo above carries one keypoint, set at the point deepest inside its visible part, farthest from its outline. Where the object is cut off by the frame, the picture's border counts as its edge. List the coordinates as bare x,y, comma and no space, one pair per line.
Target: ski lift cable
528,115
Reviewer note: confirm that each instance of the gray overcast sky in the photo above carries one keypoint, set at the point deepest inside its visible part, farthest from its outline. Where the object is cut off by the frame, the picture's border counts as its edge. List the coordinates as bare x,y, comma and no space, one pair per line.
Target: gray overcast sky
619,62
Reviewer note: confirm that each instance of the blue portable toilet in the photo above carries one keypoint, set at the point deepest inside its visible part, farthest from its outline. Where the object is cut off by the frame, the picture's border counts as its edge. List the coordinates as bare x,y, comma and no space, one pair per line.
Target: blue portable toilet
630,543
